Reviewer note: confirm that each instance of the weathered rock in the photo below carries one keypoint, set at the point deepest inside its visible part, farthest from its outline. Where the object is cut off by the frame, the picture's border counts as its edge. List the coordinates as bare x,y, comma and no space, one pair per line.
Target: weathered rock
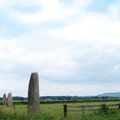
4,99
33,94
9,99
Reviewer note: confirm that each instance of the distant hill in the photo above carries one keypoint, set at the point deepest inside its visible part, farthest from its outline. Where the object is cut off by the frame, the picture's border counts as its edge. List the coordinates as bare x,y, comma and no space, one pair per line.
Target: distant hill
114,94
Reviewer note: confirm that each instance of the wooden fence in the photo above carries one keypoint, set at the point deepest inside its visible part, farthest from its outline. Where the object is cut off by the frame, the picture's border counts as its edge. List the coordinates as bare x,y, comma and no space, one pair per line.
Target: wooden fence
82,108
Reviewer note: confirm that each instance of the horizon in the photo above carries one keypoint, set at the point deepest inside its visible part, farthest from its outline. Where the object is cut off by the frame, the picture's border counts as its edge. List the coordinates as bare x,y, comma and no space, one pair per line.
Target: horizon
98,95
74,45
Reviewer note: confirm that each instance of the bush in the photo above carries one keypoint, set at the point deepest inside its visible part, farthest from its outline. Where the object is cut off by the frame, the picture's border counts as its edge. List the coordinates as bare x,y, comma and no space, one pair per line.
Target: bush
104,109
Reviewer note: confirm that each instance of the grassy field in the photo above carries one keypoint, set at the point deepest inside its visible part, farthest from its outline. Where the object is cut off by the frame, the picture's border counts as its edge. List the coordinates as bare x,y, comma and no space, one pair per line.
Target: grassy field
55,112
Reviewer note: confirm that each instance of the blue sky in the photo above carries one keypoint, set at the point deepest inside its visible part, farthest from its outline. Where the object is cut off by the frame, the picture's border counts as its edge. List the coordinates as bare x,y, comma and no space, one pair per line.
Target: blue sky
74,45
100,5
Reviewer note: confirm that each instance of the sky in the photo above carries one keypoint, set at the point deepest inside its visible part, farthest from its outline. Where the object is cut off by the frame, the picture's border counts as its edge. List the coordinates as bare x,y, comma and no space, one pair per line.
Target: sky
74,45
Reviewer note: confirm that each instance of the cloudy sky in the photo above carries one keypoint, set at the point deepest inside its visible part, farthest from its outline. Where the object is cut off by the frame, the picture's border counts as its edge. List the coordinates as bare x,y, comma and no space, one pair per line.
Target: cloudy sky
74,45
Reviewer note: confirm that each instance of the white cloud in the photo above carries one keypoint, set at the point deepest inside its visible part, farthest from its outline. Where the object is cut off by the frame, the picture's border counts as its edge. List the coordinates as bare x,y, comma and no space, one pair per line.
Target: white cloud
51,88
50,11
6,4
13,83
90,27
114,10
77,53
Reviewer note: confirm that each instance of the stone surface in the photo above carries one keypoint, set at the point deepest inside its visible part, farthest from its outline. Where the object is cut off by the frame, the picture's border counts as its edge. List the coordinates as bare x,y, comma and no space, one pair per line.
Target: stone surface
9,99
33,94
4,99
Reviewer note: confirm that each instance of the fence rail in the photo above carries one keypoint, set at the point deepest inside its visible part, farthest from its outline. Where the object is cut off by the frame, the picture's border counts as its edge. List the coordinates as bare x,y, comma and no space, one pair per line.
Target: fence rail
81,108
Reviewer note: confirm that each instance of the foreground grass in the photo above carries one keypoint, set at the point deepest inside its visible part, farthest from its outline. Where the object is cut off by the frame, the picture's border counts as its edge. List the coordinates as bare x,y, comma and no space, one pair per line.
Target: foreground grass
55,112
48,112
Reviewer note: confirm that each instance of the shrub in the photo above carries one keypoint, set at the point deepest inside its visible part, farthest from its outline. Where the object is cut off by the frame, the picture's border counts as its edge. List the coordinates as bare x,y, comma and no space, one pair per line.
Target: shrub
104,109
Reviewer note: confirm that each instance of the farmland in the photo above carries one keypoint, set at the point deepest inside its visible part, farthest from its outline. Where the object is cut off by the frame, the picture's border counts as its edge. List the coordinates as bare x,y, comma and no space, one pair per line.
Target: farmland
55,112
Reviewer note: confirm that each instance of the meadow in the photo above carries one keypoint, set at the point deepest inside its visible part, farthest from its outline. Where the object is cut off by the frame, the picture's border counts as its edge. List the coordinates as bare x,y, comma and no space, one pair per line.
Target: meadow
55,112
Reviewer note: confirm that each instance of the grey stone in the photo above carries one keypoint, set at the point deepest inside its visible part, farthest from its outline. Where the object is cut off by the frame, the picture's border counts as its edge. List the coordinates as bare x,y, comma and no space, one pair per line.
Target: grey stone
4,99
9,99
33,94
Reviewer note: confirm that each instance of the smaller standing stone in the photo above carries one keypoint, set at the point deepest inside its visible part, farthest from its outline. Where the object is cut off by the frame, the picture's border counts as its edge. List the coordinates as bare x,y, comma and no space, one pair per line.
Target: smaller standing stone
4,99
9,100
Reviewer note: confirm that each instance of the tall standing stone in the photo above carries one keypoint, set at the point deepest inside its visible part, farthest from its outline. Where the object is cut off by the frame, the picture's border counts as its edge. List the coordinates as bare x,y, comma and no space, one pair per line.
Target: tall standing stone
33,94
4,99
9,99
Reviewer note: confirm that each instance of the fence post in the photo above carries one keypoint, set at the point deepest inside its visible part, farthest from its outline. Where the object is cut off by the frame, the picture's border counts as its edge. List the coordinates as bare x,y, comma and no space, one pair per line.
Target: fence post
82,111
65,111
119,105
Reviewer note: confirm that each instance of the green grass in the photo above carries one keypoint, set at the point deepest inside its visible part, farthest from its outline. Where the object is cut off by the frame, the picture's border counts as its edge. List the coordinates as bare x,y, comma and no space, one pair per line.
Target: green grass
55,112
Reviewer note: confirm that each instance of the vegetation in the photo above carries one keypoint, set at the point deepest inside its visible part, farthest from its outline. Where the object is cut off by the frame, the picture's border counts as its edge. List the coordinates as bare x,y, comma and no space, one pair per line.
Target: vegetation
55,112
70,98
65,99
104,109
